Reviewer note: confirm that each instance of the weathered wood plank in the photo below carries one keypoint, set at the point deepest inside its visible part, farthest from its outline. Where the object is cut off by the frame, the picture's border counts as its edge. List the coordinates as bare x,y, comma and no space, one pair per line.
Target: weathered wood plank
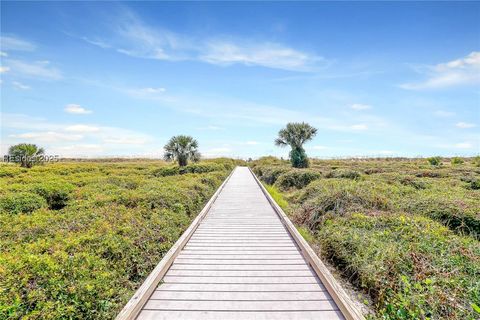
241,296
200,305
228,287
231,315
243,280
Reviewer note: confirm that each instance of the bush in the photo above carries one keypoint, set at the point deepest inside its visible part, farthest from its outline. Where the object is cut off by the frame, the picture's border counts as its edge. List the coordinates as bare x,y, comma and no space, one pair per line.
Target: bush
343,173
56,193
88,261
415,183
434,161
456,160
192,168
412,267
21,202
297,178
476,161
335,197
270,174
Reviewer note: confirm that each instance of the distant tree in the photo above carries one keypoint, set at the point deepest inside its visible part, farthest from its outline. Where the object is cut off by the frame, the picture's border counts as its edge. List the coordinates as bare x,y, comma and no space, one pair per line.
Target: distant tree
182,149
26,154
295,134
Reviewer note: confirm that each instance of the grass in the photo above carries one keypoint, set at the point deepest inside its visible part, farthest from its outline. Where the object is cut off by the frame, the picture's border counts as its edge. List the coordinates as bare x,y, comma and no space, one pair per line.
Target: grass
403,231
78,238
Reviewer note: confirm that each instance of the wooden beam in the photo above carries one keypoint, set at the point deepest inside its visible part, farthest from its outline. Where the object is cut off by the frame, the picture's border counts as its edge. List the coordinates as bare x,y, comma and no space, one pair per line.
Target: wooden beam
141,296
339,295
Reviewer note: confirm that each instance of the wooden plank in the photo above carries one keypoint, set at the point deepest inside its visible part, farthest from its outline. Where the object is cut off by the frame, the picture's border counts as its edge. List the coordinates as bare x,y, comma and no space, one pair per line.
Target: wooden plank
229,287
135,304
232,315
243,273
242,280
241,296
334,288
270,267
200,305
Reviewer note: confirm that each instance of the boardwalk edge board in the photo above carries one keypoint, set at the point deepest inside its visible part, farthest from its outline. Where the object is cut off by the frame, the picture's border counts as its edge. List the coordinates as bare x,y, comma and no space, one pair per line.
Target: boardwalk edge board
133,307
335,290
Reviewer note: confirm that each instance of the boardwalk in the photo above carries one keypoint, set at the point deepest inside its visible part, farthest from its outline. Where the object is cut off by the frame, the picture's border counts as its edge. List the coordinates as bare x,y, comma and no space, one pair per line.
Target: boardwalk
239,261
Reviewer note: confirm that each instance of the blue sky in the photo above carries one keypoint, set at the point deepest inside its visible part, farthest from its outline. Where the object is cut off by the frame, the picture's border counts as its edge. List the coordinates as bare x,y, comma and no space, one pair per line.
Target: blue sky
119,79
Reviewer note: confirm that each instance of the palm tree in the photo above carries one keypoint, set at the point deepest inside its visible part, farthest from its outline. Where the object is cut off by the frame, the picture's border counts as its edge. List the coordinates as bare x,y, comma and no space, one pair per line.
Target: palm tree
295,134
182,148
26,154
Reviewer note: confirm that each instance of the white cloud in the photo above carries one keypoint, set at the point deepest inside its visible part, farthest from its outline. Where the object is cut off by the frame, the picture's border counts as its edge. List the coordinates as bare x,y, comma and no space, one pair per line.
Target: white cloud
359,127
146,92
78,150
271,55
463,71
443,113
15,44
20,85
217,152
133,37
76,109
82,128
4,69
3,54
38,69
358,106
464,145
126,140
48,136
464,125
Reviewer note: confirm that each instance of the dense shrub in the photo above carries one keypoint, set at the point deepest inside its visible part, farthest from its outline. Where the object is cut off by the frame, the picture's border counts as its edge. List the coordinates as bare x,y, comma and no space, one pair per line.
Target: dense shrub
343,173
337,197
270,174
201,167
21,202
382,232
457,160
412,182
434,161
297,178
412,267
86,262
56,193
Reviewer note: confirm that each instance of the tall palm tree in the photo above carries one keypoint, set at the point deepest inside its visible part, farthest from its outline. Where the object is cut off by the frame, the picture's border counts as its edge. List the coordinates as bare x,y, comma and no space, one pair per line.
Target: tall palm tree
26,154
182,148
295,134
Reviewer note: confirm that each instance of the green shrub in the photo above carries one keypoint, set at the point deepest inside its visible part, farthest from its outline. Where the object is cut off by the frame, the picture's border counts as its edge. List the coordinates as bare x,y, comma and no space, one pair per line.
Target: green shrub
457,160
336,197
476,161
88,261
434,161
343,173
201,167
21,202
270,174
297,178
412,267
415,183
56,193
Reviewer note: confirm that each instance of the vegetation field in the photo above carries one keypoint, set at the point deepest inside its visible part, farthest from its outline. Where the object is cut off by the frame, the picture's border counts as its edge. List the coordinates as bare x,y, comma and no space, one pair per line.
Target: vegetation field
404,232
77,238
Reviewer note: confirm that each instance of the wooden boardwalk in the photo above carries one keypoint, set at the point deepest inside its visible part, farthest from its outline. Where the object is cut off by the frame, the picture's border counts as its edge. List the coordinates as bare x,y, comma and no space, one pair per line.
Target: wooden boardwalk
239,262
